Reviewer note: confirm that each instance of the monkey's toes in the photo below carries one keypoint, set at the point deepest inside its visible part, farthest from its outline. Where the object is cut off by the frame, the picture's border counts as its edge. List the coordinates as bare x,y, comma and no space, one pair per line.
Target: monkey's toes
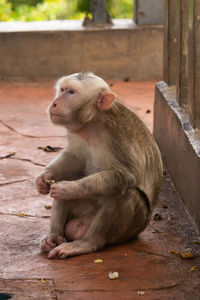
60,251
45,247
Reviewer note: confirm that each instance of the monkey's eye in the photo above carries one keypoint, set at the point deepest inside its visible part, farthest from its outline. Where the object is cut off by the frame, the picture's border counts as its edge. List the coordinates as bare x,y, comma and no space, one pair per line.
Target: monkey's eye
62,90
71,91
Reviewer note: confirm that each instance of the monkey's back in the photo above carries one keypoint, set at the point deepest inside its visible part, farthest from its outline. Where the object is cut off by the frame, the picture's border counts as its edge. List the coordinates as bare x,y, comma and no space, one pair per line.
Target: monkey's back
135,148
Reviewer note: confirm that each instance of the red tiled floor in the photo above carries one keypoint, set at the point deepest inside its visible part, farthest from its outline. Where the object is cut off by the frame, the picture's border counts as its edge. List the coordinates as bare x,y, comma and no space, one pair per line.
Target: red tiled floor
145,264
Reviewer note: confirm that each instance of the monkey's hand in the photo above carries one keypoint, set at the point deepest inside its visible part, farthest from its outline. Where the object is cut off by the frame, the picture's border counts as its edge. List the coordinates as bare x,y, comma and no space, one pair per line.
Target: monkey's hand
64,190
41,186
51,241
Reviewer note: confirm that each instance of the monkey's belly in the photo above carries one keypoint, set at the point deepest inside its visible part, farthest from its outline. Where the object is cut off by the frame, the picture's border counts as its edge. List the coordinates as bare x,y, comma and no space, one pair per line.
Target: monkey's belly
76,228
83,207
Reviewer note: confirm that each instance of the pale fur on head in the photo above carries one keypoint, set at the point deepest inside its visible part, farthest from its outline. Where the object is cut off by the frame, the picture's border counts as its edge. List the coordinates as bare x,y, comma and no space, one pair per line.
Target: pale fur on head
87,83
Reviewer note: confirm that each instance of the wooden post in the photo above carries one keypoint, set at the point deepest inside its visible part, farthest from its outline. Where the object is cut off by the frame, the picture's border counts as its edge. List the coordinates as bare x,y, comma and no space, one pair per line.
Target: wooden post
194,62
170,42
182,52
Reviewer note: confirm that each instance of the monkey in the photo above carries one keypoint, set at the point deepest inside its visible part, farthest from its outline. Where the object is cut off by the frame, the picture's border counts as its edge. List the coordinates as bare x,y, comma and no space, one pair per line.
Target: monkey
107,178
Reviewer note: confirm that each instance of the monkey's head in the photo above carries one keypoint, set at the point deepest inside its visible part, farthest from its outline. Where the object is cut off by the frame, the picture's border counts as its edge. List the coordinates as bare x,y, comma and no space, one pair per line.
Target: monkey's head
80,98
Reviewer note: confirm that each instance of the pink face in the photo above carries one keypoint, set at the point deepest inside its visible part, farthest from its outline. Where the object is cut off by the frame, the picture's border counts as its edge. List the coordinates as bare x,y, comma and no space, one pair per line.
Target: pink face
62,108
77,102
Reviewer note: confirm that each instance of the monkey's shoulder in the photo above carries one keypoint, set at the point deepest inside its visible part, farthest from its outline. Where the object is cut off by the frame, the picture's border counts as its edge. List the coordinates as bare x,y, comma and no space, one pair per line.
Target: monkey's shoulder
121,120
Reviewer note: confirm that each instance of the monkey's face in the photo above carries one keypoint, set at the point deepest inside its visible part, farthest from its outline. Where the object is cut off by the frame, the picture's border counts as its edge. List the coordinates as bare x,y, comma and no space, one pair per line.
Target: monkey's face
63,109
79,100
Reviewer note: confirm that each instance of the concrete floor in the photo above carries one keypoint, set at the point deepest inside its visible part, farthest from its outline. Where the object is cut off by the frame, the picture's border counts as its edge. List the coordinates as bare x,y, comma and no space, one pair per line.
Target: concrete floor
147,267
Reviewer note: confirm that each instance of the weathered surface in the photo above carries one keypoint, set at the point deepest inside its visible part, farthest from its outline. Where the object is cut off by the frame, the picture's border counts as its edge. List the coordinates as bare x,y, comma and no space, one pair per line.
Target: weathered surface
194,63
145,264
54,48
149,12
180,146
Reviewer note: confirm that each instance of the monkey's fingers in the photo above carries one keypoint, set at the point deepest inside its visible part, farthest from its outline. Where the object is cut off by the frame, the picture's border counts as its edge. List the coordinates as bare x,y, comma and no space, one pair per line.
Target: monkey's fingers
45,247
54,252
51,241
43,191
62,255
60,240
53,186
52,195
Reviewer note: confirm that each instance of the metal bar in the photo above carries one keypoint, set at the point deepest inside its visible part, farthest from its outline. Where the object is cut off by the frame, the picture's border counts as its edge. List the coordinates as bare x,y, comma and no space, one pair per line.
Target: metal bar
99,14
136,10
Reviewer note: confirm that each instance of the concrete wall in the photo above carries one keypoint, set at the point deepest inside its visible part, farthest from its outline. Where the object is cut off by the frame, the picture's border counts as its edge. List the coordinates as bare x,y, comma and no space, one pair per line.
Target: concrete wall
180,147
55,48
149,11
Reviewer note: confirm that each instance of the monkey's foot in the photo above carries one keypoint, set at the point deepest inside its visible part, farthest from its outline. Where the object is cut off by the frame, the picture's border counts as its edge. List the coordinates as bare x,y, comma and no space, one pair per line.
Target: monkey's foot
70,249
50,242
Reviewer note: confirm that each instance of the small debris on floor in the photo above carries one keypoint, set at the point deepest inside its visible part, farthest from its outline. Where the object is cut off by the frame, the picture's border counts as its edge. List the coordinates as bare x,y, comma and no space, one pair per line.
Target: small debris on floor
19,214
187,253
148,111
174,251
165,206
155,231
140,293
157,216
193,268
113,275
50,148
126,79
98,261
48,206
197,242
8,155
44,280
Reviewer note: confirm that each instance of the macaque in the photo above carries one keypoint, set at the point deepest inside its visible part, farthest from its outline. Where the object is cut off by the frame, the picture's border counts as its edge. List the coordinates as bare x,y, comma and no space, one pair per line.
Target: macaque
108,177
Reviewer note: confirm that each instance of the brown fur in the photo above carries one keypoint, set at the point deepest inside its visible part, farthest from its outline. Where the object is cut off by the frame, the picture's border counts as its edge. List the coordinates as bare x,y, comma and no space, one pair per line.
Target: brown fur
109,176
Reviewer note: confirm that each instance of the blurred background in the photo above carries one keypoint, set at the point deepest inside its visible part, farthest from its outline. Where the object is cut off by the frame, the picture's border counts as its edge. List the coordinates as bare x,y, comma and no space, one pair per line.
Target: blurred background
42,10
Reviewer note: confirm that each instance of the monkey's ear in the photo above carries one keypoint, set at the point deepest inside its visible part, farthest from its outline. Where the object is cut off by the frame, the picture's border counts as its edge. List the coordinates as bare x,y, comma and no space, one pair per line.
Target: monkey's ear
105,100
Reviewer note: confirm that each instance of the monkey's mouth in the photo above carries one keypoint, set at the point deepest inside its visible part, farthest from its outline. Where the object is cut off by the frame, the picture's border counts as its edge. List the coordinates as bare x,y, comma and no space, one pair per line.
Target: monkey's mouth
57,118
56,115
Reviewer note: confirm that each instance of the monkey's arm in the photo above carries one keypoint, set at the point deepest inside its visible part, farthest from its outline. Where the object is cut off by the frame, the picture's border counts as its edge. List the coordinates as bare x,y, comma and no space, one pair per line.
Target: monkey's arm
106,182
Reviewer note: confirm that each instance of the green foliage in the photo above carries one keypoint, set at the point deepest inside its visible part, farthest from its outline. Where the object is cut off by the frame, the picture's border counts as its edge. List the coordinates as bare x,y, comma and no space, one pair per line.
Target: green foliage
39,10
121,9
47,10
5,10
83,5
16,3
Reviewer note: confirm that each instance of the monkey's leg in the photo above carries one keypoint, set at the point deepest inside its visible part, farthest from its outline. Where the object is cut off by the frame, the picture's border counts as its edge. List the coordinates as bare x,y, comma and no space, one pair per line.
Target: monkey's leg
120,219
58,220
117,221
